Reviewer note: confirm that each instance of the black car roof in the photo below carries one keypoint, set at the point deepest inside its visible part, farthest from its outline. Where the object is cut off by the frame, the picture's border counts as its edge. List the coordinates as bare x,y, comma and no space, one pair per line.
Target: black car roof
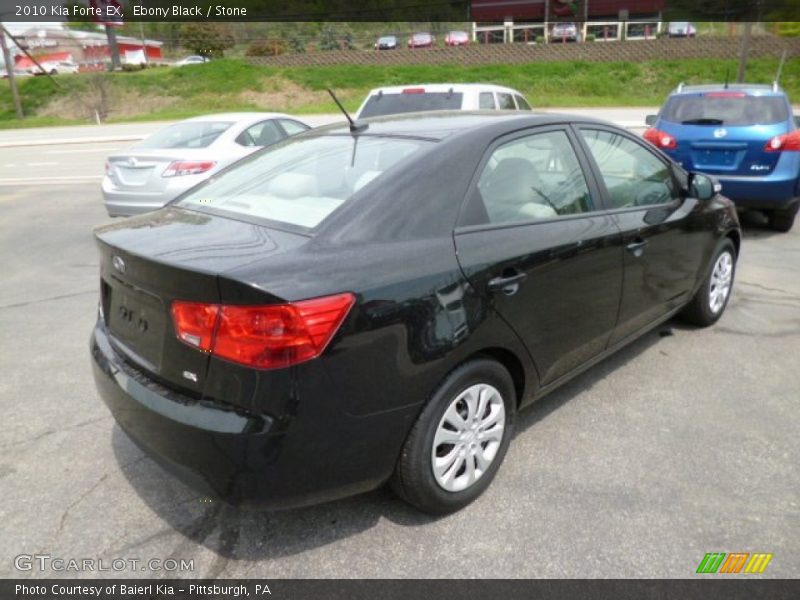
439,125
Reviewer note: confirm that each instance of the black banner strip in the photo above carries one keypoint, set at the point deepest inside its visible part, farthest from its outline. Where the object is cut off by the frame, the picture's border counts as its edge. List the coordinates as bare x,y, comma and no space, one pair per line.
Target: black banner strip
705,588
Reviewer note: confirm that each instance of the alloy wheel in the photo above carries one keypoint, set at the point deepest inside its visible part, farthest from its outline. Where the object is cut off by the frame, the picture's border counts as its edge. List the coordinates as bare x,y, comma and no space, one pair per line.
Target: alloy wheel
720,284
468,437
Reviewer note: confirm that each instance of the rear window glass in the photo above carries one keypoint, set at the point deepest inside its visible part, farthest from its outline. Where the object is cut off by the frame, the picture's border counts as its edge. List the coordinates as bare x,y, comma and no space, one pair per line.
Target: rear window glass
732,109
197,134
486,100
303,181
392,104
506,102
522,104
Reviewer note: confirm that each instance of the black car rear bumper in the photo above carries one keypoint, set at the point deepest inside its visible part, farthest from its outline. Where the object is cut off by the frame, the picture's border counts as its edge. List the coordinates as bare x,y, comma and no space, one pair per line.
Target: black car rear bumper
245,458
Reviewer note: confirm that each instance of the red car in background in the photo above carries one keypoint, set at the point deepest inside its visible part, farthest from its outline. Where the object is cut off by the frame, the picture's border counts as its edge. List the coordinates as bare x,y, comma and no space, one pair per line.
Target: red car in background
421,40
456,38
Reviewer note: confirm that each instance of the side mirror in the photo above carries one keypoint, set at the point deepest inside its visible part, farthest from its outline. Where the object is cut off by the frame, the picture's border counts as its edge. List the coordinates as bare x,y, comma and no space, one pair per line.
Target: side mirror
650,120
703,187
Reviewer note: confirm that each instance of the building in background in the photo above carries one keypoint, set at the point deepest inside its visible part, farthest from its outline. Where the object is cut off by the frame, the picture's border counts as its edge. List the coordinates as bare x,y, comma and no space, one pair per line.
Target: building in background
86,48
507,21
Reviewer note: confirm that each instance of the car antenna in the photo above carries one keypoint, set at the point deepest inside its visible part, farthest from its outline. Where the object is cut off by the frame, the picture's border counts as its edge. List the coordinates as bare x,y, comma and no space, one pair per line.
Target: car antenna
727,74
355,126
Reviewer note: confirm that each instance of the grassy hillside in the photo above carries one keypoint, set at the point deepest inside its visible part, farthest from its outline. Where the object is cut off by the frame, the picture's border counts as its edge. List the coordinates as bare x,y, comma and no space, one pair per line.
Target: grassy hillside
232,84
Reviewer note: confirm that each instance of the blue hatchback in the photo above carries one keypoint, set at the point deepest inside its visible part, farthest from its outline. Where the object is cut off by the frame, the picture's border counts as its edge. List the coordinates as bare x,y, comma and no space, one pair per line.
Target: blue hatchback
744,135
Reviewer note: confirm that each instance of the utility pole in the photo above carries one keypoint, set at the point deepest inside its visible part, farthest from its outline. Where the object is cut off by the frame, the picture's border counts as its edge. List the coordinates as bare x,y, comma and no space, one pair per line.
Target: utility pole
744,50
546,20
144,45
112,46
12,80
585,20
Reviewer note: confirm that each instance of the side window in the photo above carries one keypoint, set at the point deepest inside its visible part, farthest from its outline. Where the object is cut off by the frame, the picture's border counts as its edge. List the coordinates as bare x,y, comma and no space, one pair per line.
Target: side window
533,178
505,102
522,104
262,134
633,175
293,127
486,101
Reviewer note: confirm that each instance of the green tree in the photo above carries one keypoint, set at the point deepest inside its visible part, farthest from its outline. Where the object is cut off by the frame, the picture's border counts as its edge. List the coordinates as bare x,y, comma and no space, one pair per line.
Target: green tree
207,39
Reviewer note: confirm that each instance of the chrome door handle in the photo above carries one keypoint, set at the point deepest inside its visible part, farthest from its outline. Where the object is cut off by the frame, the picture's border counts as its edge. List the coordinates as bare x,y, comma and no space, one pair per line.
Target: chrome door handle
508,285
637,247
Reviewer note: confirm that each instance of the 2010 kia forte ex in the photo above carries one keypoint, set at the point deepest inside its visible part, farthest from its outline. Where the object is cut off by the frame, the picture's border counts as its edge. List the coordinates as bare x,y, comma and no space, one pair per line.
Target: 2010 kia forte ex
374,303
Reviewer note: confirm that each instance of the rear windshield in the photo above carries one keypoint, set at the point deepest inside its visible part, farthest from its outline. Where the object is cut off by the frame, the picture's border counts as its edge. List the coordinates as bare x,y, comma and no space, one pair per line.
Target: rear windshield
302,181
725,109
195,134
392,104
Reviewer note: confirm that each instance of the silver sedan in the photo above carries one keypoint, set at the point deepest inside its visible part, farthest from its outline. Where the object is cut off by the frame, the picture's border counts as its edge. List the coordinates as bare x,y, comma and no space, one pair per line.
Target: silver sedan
176,158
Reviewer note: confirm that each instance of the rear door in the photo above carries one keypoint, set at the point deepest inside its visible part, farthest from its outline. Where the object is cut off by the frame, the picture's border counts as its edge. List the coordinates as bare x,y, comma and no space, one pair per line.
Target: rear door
662,250
533,239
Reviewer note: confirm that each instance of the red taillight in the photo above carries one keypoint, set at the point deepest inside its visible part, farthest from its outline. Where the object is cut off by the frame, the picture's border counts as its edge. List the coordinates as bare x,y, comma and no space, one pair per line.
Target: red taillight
414,91
660,139
195,323
265,337
781,143
188,167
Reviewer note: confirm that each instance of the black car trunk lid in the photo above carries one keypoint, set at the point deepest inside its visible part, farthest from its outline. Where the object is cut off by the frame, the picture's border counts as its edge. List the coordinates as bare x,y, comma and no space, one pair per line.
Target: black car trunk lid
151,261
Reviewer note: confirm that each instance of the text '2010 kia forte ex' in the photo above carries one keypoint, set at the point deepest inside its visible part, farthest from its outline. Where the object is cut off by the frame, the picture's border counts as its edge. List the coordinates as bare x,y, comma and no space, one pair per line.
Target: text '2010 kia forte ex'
373,304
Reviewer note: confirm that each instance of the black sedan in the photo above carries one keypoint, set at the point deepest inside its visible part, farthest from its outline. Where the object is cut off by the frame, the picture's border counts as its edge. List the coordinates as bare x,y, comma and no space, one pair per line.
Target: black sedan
359,306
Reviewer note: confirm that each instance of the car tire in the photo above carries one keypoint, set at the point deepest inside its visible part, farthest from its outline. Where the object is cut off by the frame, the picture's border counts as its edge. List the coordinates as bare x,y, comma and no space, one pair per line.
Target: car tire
782,220
421,476
708,304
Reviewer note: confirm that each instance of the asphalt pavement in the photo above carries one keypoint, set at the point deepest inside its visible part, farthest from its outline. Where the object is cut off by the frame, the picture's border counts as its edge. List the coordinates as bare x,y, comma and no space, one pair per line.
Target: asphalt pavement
58,155
685,442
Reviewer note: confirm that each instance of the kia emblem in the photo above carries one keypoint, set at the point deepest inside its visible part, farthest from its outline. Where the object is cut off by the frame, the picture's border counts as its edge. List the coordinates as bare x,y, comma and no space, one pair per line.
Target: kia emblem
118,263
720,133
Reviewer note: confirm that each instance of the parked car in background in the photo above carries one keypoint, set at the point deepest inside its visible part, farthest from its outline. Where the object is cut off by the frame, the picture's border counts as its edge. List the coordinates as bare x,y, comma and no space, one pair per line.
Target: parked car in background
17,73
55,68
745,135
386,42
192,60
421,40
564,32
440,96
347,309
169,162
678,29
456,38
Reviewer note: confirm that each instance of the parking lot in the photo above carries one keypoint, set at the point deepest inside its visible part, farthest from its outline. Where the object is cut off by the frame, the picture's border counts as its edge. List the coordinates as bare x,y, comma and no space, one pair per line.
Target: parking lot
685,442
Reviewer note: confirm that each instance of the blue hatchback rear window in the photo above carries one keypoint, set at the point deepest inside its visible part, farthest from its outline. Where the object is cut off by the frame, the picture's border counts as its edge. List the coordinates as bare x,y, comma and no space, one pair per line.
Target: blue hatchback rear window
725,108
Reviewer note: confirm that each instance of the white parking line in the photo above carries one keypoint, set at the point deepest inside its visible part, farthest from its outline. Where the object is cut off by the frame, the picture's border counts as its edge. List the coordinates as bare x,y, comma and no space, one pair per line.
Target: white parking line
81,151
10,181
